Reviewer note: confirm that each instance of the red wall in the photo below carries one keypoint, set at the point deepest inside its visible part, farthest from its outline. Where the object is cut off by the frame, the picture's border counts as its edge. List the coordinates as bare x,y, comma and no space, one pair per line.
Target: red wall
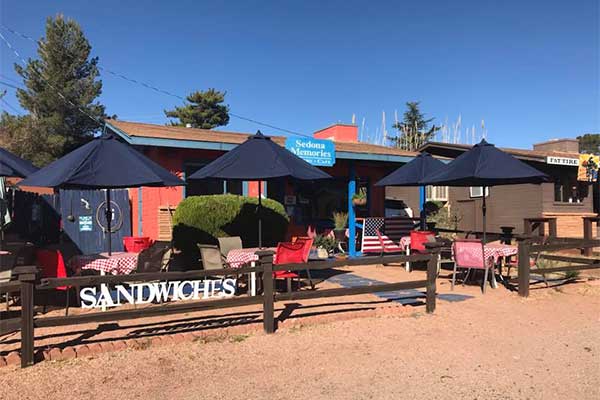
174,159
339,133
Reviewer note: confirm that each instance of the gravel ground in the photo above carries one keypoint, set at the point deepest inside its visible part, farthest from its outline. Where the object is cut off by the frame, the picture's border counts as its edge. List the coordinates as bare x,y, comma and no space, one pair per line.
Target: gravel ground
496,346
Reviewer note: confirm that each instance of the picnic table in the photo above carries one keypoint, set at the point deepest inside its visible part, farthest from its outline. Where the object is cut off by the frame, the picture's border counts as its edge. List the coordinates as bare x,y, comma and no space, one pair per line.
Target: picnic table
120,263
237,258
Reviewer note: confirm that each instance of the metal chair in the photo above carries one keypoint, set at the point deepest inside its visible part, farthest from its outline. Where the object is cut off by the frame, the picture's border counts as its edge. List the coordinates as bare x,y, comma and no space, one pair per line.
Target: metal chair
469,254
226,244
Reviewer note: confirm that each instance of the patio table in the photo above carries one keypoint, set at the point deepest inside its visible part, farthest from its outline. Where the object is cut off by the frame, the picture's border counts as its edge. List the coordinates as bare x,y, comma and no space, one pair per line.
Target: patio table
237,258
120,263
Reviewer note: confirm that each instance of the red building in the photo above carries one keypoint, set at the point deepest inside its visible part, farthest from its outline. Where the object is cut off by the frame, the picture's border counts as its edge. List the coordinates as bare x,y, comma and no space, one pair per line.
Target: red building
356,166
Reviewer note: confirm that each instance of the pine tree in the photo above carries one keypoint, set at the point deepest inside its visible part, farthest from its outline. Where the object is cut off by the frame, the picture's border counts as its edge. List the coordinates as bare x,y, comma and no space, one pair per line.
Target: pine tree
61,86
205,110
414,130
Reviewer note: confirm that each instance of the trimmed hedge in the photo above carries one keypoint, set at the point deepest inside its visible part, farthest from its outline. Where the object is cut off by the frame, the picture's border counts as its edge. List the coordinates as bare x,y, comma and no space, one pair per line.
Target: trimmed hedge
202,219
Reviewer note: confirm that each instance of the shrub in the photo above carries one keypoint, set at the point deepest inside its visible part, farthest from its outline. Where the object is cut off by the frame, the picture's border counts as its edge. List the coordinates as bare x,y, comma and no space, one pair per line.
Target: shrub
202,219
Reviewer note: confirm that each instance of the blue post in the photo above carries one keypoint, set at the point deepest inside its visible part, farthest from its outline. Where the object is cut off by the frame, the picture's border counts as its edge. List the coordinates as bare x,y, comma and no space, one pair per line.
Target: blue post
351,215
422,200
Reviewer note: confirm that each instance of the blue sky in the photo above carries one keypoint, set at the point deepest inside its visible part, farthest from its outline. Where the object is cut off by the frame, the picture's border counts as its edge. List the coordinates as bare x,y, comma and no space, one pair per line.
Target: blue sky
530,69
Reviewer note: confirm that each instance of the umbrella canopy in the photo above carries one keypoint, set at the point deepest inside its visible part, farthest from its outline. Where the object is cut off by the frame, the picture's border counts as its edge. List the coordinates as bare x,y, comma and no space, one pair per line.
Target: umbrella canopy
259,158
485,165
412,173
256,159
103,163
11,165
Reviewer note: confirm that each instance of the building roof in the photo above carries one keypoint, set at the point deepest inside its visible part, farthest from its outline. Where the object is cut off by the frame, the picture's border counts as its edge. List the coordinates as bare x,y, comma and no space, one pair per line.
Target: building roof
137,133
453,150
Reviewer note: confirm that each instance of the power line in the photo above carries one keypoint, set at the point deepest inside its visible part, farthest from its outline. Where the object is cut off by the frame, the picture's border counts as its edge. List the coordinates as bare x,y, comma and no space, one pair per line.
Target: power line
7,104
162,91
10,85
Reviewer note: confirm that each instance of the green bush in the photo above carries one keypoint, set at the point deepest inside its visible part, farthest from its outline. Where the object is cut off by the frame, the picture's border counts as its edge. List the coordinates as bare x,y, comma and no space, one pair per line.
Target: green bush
202,219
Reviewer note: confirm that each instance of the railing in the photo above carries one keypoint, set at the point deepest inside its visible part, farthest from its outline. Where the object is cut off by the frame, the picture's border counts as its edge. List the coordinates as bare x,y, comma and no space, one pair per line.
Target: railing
27,285
528,248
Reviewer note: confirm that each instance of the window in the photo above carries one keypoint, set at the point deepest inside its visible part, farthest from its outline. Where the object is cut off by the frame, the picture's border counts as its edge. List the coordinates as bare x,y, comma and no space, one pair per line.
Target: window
436,193
209,186
569,191
477,191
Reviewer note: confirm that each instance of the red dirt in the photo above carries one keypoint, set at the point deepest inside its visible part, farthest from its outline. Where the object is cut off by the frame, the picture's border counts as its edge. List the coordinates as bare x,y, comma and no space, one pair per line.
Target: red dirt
496,346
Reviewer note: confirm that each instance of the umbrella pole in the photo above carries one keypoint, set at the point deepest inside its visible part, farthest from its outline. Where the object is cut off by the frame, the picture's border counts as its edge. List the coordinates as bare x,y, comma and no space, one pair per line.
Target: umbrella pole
260,213
484,211
108,221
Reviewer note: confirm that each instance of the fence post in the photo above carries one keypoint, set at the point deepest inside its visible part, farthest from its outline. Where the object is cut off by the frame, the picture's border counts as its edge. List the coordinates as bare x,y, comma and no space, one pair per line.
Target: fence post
265,260
27,277
432,271
524,268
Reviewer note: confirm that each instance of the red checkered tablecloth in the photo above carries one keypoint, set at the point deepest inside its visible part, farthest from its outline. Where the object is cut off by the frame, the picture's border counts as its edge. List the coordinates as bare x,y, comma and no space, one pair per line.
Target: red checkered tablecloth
117,264
493,251
237,258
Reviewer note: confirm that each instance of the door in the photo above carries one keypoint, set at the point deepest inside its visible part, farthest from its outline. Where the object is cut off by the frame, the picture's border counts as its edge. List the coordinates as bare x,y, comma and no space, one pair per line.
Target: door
84,219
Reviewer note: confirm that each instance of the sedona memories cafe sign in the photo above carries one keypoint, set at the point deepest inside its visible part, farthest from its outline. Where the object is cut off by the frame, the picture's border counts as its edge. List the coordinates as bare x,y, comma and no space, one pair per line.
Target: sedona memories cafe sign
145,293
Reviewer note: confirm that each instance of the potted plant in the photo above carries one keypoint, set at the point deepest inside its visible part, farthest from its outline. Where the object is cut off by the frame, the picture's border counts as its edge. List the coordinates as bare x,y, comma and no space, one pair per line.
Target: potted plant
325,246
360,198
340,220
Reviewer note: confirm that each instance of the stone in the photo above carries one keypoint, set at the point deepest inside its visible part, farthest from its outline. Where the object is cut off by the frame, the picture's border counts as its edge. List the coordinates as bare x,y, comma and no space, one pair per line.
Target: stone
13,358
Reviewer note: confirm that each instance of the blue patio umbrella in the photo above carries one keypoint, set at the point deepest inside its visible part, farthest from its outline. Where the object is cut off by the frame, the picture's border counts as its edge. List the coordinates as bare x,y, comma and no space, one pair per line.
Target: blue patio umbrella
484,165
412,173
103,163
257,159
13,166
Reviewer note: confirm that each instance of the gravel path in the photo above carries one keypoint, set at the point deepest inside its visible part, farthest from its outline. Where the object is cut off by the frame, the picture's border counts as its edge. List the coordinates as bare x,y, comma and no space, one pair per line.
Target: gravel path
496,346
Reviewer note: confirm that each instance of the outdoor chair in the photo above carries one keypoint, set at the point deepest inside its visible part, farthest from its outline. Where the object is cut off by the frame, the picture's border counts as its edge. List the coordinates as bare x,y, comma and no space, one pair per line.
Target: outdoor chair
417,244
212,259
388,246
52,265
289,253
152,259
226,244
469,254
307,242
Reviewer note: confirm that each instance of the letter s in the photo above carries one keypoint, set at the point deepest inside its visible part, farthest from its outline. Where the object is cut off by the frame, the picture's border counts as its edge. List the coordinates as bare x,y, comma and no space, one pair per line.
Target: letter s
88,295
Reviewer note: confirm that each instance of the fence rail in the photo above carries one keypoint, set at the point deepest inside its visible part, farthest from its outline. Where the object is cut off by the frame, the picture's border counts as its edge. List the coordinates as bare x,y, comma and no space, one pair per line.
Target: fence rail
528,249
28,285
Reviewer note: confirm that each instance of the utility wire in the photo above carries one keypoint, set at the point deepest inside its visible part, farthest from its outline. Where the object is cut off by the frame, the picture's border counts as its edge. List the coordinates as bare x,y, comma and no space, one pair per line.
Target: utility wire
157,89
7,104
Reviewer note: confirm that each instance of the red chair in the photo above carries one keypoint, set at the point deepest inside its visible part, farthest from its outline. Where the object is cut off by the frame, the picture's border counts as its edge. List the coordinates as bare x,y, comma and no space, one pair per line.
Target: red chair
53,265
418,240
469,254
308,242
289,253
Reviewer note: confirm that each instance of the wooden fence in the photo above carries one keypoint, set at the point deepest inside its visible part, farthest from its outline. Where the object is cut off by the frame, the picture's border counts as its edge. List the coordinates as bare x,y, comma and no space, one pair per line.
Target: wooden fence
28,284
530,248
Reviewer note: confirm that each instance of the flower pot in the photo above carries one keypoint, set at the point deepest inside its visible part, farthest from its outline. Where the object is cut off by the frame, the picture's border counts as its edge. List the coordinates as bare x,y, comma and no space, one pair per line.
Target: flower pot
359,202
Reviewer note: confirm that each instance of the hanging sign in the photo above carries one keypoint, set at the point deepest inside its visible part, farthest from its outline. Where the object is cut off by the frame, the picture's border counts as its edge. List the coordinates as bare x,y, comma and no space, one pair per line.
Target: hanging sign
588,168
85,223
145,293
317,152
573,162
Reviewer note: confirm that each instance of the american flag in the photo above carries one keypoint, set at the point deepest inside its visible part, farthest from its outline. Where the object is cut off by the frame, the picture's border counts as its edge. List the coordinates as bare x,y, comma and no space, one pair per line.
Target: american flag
391,229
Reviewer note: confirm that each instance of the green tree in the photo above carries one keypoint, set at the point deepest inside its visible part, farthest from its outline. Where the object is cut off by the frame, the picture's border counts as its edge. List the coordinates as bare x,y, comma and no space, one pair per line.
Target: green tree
414,130
205,110
589,143
61,87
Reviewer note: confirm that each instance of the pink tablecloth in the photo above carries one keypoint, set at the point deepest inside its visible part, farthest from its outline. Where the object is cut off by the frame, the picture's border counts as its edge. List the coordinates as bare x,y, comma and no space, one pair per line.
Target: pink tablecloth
237,258
493,251
117,264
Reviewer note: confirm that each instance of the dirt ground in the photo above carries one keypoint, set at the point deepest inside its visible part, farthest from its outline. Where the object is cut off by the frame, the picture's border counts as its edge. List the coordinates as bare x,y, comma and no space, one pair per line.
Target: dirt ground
492,346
